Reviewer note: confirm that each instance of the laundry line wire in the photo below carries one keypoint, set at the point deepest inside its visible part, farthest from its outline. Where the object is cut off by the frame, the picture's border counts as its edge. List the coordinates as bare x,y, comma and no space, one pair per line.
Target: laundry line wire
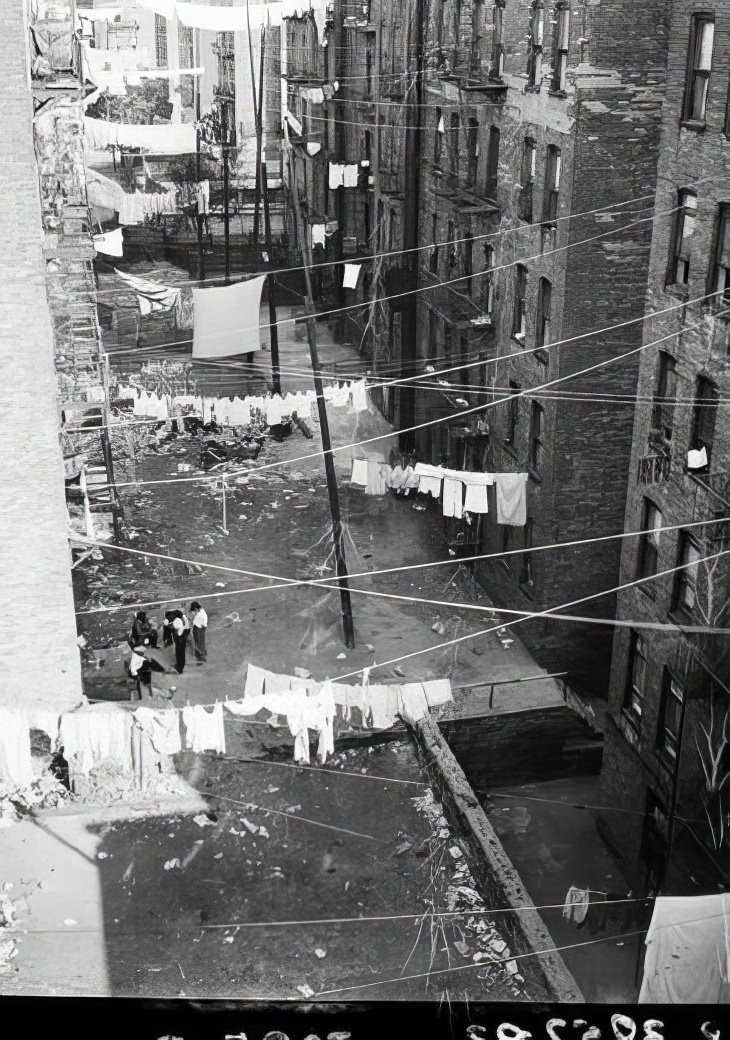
540,614
291,816
439,420
275,272
325,772
406,568
581,805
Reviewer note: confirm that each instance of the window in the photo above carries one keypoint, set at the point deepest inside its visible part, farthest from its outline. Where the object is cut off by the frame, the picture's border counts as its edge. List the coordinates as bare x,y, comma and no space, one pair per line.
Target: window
477,27
468,247
161,41
561,45
544,300
685,582
497,40
186,47
699,66
684,227
438,146
451,255
662,413
225,44
537,416
526,574
721,266
636,676
670,719
649,542
472,144
434,258
513,412
519,320
454,144
492,162
392,230
369,68
456,32
382,244
488,280
537,34
527,187
704,416
552,185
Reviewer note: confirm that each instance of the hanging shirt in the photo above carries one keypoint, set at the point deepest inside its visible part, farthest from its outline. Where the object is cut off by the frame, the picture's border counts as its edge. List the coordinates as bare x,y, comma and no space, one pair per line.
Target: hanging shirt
476,484
336,175
162,727
412,703
351,175
360,396
430,478
15,760
254,681
376,478
359,472
453,490
576,904
511,498
204,729
97,735
350,276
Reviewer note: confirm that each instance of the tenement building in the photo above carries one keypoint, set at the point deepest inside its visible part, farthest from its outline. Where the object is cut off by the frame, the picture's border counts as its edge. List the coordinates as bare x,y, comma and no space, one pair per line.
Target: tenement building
537,177
666,752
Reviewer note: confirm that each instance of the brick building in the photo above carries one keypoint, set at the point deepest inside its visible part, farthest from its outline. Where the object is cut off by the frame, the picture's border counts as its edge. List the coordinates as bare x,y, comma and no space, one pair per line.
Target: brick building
34,556
669,689
533,114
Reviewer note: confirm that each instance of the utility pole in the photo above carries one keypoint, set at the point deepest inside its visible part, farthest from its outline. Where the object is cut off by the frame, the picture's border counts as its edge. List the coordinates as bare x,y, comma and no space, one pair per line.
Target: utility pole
329,462
200,215
226,201
264,181
259,143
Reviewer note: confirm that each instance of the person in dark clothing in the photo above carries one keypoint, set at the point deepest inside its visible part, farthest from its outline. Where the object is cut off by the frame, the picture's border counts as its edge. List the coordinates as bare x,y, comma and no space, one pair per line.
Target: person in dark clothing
142,630
170,616
199,619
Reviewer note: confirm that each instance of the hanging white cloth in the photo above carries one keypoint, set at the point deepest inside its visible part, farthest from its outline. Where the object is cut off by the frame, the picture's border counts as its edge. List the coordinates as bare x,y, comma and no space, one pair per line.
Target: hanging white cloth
111,243
15,760
350,276
476,484
154,296
686,952
511,498
213,19
430,478
162,727
336,175
163,138
452,499
226,319
204,730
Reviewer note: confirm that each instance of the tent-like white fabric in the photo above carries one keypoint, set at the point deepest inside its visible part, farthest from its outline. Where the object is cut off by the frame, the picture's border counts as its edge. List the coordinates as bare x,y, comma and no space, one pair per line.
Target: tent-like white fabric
165,138
688,951
151,295
226,319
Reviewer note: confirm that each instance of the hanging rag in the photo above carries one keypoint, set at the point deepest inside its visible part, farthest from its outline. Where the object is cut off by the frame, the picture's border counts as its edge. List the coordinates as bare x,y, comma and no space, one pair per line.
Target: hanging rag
430,478
476,484
359,472
161,139
395,478
411,480
297,718
222,316
15,761
336,175
324,718
96,735
162,727
351,175
576,904
47,721
412,703
359,396
318,236
111,243
204,730
697,458
350,276
154,296
254,681
376,477
438,691
452,494
686,952
382,710
511,498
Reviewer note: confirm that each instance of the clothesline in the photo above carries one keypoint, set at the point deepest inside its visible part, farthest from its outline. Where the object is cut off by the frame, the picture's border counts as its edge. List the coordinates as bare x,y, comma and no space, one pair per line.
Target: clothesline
511,488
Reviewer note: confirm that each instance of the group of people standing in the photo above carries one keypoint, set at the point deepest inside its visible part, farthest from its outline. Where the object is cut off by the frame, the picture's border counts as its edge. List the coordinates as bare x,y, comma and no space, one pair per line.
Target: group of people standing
176,629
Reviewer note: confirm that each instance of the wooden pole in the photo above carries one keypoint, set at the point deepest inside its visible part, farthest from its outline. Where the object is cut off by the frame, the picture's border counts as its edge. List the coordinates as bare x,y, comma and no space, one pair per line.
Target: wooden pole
226,200
200,215
259,143
329,463
273,319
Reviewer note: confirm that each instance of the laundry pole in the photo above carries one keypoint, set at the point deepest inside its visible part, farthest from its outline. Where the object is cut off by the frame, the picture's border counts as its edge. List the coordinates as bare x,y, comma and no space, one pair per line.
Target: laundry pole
329,462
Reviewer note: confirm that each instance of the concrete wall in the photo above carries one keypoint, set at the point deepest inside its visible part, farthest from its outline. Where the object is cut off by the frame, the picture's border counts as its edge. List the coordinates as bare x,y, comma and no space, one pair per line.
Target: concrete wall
496,877
34,557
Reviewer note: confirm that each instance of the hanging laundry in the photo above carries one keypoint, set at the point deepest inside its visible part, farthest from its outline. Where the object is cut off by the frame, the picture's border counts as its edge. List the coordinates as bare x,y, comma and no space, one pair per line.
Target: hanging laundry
442,126
111,243
376,484
47,721
359,395
430,478
313,147
203,197
351,175
687,951
132,207
380,708
412,703
162,727
576,904
314,95
222,316
437,691
294,124
350,276
162,138
336,175
297,722
151,295
204,729
15,761
511,498
359,472
104,68
324,719
453,490
165,8
274,410
318,235
697,458
106,14
95,735
476,484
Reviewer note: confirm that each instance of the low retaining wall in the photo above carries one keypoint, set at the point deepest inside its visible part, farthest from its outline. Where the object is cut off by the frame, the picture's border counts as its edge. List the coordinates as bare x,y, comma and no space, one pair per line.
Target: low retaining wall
492,868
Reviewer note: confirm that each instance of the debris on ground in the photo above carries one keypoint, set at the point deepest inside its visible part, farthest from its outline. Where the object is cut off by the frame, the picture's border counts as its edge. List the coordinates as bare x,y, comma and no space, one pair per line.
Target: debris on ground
320,953
203,820
305,990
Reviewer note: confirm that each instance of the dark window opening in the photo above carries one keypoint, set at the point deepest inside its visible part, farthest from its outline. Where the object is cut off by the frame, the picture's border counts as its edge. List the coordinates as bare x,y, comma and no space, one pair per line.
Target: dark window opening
497,68
544,302
662,413
636,676
721,263
492,162
536,41
648,562
685,221
704,416
553,165
453,144
527,578
670,717
527,184
699,67
685,582
537,416
473,151
519,320
488,280
434,258
561,45
513,412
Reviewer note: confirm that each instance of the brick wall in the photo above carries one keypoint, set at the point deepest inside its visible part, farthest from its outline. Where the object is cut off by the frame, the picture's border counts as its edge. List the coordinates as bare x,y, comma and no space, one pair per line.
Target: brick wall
34,555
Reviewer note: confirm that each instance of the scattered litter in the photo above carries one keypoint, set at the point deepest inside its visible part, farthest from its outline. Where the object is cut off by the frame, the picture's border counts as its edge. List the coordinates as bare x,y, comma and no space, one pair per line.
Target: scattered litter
69,922
512,968
370,647
220,584
320,953
438,628
305,990
461,947
203,821
102,855
234,618
455,852
218,856
229,938
173,864
403,847
263,832
251,827
271,789
341,657
399,671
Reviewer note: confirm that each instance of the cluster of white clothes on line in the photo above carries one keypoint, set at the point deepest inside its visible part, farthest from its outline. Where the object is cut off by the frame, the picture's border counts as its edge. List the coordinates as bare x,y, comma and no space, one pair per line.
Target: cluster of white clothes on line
133,207
379,705
343,175
348,395
460,491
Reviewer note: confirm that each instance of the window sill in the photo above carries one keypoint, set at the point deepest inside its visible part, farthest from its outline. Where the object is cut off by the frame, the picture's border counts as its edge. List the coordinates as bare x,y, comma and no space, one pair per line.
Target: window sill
632,720
528,591
532,88
534,476
557,93
677,289
665,760
508,448
698,125
542,356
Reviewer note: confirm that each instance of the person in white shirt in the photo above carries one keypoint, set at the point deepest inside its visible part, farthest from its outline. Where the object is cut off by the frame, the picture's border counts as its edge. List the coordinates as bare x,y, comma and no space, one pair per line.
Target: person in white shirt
140,669
180,633
200,626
